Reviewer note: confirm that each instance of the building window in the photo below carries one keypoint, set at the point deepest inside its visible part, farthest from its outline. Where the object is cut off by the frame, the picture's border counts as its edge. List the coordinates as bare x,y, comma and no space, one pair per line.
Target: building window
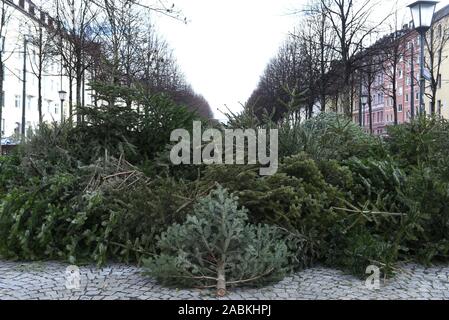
17,101
380,97
2,100
400,108
29,102
417,96
400,92
406,97
439,106
439,81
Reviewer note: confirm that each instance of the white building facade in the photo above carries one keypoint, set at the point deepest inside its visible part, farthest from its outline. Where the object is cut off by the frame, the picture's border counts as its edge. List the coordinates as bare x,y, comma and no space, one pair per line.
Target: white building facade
23,19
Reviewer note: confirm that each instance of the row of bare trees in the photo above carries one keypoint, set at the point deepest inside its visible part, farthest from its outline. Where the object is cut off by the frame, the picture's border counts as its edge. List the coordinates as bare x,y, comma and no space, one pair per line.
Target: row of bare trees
340,49
109,41
115,42
321,58
4,19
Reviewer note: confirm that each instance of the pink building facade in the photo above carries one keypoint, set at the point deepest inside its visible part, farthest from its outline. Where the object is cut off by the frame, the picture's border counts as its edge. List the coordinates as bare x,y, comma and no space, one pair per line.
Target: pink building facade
407,77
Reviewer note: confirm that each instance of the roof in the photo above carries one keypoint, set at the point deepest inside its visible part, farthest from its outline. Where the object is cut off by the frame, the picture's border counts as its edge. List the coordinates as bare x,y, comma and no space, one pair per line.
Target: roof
440,14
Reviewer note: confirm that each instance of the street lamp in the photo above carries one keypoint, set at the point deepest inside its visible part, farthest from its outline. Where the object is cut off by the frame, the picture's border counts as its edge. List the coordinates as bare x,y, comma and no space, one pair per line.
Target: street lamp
364,100
422,13
62,97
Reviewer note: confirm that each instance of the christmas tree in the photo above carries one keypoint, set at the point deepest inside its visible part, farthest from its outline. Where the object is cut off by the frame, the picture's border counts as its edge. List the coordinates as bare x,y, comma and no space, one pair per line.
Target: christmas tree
217,247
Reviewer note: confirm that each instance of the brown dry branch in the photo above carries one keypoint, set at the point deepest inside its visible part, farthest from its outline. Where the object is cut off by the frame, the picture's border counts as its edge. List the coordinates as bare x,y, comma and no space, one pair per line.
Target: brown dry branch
117,174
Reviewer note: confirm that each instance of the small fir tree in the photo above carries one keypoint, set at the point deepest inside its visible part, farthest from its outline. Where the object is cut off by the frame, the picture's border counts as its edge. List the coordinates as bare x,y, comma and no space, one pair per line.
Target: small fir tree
216,247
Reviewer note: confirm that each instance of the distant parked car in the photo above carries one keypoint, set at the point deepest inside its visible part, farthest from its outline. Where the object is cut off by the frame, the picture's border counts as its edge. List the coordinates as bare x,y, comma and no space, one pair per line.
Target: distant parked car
7,141
8,144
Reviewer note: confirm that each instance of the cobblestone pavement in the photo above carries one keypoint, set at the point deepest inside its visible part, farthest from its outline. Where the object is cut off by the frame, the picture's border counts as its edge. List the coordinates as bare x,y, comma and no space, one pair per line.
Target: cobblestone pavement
47,281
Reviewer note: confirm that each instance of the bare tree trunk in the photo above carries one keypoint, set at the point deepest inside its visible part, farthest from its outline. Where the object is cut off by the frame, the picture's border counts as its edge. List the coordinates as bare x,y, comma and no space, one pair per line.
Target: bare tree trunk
347,89
395,109
3,22
39,74
70,98
2,98
337,95
221,280
352,95
39,98
433,100
434,78
370,109
394,96
79,87
323,71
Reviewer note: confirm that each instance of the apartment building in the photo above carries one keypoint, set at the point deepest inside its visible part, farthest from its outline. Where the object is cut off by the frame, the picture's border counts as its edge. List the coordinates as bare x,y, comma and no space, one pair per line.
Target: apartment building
407,81
441,23
24,17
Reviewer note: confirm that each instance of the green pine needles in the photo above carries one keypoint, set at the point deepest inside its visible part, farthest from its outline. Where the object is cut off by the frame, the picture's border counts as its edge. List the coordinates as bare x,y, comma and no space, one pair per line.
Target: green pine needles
217,247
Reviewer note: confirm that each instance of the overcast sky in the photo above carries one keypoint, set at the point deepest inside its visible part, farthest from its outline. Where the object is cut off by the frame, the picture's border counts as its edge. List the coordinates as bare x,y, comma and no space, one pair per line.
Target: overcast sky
226,45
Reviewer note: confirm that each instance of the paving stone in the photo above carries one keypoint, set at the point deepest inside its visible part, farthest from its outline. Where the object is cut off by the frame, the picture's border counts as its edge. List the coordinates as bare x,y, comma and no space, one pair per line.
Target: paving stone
46,281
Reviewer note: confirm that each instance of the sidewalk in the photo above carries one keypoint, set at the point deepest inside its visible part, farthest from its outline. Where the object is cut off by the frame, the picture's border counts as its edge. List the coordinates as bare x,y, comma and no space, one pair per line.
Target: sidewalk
120,282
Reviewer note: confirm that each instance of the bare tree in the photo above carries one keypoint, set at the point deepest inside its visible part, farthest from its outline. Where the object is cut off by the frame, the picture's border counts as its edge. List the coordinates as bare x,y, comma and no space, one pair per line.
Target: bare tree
352,26
76,42
393,53
320,35
41,58
437,39
115,40
4,20
371,68
310,67
282,72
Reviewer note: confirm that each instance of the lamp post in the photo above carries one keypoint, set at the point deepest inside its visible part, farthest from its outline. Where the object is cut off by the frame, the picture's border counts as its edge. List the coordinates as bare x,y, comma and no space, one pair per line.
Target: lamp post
364,100
62,97
24,88
422,14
